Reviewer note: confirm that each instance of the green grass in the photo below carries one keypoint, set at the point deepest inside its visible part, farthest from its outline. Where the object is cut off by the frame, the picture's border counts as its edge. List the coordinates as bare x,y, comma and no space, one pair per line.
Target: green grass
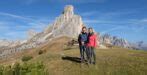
109,62
23,69
115,61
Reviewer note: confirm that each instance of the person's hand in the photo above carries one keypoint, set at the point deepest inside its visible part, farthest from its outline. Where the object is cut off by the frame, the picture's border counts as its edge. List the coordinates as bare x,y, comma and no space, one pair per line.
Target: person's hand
93,47
82,43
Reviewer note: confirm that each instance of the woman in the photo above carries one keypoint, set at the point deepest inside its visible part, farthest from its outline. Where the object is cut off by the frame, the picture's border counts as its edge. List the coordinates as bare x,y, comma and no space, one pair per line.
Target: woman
91,44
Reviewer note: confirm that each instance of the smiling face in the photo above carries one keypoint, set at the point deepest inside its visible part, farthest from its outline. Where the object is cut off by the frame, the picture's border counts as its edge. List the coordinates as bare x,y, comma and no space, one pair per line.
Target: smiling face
84,30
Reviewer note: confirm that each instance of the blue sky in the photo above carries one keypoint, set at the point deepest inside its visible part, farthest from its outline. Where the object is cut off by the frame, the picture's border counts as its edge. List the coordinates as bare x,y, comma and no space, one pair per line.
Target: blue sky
122,18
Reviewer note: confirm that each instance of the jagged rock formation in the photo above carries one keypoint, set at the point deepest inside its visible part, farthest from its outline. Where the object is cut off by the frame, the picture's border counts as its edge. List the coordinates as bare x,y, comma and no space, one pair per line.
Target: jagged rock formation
139,45
67,24
31,33
7,43
115,41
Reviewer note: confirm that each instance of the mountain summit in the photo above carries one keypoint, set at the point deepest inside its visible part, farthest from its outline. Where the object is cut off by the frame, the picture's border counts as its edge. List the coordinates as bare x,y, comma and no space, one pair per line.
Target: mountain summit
67,24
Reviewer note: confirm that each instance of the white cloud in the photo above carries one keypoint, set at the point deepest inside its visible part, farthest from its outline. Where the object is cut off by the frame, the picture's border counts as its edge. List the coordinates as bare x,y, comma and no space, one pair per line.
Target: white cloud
103,21
114,20
107,15
90,13
15,16
19,17
78,1
28,2
144,21
116,17
113,29
14,28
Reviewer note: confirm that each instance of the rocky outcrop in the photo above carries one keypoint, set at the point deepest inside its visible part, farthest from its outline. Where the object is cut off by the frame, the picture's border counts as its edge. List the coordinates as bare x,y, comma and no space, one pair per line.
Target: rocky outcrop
8,43
114,41
67,24
31,33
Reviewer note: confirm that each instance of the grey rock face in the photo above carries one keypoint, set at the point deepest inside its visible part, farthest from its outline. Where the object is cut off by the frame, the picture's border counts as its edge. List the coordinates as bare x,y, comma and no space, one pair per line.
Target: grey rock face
115,41
31,33
67,24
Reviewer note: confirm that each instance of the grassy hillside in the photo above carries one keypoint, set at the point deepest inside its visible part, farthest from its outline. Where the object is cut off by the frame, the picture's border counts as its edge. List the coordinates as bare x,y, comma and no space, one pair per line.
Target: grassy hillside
58,60
109,62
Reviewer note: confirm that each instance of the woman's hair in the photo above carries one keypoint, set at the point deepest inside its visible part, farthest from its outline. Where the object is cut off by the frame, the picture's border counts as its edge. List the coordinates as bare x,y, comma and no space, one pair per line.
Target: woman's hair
91,28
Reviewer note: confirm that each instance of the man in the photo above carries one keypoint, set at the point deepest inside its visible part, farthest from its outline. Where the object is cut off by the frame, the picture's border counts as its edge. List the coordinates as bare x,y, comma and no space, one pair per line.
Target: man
82,39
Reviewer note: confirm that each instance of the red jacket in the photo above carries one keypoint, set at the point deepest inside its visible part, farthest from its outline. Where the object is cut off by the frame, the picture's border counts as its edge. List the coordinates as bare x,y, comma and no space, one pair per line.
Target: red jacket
92,41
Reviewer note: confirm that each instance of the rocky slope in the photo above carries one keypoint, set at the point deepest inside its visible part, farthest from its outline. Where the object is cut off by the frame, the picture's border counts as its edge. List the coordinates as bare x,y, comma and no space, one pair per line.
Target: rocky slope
67,24
114,41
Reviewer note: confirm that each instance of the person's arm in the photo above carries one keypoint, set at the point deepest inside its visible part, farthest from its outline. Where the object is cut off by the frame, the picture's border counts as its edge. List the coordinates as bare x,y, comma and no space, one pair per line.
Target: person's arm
79,39
98,40
95,41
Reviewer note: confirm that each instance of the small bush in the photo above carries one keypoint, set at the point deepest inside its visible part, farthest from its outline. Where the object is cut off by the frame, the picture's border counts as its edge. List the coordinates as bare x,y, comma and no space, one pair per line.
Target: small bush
26,58
24,69
40,52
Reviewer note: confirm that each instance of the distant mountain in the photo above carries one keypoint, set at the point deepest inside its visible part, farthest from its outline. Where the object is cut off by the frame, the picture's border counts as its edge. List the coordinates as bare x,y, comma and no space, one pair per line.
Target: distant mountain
120,42
140,45
144,48
9,43
114,41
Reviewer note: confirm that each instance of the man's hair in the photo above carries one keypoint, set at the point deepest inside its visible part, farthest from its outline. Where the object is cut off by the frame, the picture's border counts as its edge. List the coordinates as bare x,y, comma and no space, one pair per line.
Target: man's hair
83,27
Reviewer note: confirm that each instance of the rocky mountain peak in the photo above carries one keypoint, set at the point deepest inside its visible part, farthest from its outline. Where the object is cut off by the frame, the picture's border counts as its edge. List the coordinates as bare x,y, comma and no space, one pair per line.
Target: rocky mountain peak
115,41
69,10
31,33
67,24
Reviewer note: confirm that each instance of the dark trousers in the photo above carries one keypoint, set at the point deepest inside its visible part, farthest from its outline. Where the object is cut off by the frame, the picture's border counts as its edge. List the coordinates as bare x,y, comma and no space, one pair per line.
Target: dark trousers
91,55
83,52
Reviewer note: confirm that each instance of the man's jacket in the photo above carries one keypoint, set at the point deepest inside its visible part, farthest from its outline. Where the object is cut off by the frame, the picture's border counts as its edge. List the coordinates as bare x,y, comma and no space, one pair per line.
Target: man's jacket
82,38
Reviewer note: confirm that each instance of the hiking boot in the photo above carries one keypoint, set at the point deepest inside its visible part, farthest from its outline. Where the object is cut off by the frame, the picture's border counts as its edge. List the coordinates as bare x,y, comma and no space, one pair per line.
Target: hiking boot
90,62
93,63
82,60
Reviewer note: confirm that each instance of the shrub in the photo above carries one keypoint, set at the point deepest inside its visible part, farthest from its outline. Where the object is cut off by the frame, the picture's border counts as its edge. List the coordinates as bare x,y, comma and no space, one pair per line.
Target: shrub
26,58
26,68
40,52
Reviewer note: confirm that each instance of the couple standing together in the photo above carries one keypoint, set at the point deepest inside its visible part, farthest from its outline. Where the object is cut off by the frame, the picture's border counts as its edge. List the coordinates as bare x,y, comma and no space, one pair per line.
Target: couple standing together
87,43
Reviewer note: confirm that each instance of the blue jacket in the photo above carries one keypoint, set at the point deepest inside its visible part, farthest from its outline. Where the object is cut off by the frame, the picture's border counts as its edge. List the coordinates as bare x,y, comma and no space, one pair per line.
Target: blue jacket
82,38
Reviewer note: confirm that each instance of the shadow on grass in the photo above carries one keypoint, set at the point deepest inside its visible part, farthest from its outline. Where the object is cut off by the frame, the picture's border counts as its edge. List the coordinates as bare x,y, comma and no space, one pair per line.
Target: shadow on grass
70,48
73,59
